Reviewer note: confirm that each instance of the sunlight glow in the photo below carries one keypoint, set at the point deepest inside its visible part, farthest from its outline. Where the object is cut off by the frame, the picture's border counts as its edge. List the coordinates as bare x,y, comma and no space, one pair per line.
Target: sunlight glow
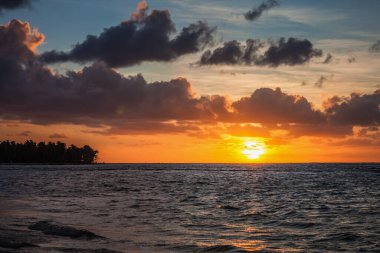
253,149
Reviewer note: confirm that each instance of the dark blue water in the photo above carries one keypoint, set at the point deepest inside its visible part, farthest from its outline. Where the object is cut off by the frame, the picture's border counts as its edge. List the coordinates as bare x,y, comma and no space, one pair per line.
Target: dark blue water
191,208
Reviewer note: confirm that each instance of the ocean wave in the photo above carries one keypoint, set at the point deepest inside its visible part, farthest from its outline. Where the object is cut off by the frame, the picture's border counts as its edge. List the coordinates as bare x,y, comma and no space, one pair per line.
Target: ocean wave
52,229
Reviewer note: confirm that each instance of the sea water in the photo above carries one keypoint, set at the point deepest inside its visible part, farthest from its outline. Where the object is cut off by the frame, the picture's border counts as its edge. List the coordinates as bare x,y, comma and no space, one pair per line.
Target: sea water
190,208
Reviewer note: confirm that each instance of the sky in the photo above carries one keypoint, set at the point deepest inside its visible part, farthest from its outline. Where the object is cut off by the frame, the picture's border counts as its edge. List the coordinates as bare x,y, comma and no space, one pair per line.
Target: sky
194,81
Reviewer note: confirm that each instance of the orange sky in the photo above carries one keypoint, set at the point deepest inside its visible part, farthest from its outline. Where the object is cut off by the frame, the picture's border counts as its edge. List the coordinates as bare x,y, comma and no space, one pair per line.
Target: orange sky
204,91
183,148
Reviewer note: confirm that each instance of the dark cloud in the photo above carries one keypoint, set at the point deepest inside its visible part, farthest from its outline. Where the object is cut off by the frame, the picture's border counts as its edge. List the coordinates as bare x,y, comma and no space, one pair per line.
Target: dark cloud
13,4
18,41
375,48
256,12
290,52
142,38
274,106
324,129
99,96
94,95
232,52
363,110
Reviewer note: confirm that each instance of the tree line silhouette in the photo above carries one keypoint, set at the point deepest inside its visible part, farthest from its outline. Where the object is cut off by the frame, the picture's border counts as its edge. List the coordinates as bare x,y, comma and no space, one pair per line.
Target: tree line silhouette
52,153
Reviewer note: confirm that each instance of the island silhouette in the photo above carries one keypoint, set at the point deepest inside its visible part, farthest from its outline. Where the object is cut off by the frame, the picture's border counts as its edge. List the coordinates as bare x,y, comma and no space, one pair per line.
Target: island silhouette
47,153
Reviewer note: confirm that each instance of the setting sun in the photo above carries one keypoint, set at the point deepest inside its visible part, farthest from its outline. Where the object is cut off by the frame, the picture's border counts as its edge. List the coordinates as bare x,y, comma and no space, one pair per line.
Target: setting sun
253,149
189,126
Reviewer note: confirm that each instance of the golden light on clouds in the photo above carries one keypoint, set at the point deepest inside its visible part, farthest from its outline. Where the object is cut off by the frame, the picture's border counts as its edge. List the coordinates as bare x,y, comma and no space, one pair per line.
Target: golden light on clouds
198,106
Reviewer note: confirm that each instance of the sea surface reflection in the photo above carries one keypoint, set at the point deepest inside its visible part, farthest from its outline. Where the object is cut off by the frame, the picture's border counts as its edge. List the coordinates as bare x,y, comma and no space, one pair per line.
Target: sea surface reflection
190,208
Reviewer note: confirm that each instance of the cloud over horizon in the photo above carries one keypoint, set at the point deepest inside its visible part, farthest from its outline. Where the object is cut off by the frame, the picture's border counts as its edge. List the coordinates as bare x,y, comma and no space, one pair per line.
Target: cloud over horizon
266,105
144,37
358,109
289,52
99,96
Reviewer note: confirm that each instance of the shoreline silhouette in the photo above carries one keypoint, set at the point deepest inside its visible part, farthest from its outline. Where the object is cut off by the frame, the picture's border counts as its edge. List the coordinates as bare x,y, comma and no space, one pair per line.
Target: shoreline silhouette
58,152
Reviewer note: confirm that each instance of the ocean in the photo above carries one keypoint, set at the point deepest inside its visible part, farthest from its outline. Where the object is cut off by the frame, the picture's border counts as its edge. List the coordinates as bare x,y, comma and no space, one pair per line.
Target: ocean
110,208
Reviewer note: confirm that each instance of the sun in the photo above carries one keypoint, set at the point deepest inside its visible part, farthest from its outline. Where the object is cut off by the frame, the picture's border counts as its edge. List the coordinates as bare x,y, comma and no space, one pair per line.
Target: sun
253,149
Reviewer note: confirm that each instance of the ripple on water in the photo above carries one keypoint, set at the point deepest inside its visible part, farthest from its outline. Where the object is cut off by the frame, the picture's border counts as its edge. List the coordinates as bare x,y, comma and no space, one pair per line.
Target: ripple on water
194,208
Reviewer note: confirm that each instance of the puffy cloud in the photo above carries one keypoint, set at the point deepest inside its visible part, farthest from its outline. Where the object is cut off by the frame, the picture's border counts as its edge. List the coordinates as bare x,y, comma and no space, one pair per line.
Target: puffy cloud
13,4
141,38
94,95
362,110
99,96
233,52
18,41
290,52
256,12
375,48
274,106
